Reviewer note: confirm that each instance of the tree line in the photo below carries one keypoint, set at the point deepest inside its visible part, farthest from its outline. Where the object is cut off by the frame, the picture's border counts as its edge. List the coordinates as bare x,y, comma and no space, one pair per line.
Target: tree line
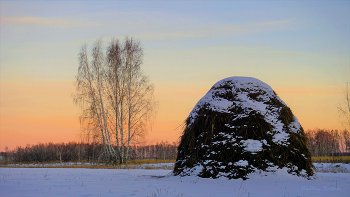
85,152
322,142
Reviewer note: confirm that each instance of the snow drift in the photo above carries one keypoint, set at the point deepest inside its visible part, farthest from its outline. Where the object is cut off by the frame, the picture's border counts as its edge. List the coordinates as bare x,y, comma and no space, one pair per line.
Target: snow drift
241,126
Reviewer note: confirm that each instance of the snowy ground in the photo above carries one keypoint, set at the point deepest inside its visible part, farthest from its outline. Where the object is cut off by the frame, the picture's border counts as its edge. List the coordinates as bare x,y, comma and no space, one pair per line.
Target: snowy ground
150,182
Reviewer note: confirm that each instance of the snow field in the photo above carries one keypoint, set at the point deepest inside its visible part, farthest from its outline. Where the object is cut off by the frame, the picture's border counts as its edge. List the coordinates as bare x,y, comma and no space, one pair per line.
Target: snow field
145,182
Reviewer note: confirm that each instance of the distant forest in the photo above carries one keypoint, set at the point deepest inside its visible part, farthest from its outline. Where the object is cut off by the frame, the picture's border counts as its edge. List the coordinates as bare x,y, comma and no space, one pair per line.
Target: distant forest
87,152
321,142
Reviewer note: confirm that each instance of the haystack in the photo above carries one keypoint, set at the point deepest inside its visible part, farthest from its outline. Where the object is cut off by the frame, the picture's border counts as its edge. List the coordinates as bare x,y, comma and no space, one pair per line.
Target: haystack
239,127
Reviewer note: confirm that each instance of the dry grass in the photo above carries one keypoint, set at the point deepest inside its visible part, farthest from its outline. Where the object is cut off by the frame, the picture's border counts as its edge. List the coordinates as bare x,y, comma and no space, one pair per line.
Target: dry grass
330,159
132,164
149,161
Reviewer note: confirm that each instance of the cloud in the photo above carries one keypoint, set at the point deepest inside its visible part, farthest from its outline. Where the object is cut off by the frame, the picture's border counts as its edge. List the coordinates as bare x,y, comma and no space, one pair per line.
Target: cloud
42,21
221,30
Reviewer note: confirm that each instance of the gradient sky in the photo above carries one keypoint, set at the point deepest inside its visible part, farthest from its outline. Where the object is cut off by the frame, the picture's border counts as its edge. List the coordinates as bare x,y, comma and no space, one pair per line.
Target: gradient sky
300,48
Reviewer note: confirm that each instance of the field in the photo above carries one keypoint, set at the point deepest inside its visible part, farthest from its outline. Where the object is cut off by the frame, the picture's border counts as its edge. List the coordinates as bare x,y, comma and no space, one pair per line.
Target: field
335,159
153,180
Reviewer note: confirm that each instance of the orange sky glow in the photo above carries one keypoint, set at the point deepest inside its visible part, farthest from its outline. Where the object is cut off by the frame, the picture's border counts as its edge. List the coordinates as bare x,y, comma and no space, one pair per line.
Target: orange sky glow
46,113
300,48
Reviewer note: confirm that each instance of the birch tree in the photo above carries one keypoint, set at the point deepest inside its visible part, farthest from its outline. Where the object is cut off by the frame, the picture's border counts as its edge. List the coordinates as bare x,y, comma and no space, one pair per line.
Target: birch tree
90,85
344,109
345,113
115,96
130,93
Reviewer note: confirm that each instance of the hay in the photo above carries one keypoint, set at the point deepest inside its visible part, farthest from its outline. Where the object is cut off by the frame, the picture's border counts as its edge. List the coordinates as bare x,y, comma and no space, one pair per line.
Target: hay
238,127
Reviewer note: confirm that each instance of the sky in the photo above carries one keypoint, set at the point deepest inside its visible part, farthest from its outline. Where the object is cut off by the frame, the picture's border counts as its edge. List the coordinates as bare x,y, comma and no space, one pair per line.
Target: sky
300,48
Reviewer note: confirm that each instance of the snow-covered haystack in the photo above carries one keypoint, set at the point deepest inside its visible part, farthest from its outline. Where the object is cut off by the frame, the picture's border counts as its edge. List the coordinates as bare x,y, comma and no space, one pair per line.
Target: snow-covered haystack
239,127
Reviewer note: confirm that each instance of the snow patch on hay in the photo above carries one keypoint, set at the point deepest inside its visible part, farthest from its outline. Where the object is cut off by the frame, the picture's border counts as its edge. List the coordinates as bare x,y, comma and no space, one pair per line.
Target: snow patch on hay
252,145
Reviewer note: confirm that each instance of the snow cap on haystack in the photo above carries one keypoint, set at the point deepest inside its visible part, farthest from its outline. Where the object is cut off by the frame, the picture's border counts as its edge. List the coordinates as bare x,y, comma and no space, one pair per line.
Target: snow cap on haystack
239,127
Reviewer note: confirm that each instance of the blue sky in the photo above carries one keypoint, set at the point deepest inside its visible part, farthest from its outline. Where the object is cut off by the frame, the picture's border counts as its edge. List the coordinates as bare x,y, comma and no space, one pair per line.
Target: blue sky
300,48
